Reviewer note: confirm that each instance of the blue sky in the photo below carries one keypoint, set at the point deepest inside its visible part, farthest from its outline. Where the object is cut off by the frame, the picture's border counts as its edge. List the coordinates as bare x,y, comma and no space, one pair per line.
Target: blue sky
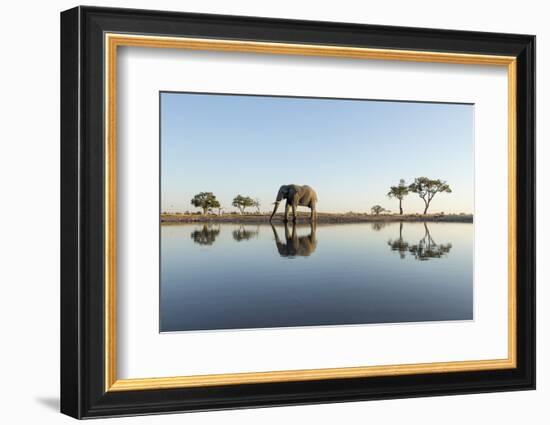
349,151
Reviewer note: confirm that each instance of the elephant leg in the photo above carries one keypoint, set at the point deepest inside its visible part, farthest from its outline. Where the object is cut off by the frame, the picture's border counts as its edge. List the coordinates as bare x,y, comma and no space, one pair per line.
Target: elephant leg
287,235
295,239
294,212
313,216
287,206
313,233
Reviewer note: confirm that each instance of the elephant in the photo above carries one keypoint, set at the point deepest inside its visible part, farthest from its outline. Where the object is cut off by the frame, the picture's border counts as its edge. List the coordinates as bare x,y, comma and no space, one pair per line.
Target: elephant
296,246
295,196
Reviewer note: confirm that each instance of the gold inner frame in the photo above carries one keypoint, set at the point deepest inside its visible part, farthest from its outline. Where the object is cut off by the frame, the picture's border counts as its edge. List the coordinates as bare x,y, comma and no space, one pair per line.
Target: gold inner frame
113,41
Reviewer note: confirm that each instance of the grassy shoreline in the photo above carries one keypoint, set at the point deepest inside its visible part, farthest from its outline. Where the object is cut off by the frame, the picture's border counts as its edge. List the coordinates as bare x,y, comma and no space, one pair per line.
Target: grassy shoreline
321,218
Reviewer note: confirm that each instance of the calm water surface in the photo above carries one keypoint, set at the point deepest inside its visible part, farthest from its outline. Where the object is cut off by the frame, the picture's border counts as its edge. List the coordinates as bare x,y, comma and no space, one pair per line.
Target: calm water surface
231,276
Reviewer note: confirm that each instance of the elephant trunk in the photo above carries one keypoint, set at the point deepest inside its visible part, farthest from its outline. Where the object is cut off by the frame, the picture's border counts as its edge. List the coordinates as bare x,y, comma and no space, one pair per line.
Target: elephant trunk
280,194
274,211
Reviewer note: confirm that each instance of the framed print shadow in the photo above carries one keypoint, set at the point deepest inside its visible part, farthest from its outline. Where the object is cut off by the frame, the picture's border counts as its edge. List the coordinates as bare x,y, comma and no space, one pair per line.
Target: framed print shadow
260,212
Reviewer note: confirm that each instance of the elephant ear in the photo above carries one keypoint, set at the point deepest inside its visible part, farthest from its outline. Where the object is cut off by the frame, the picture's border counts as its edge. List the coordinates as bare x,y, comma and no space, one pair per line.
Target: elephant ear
282,193
292,190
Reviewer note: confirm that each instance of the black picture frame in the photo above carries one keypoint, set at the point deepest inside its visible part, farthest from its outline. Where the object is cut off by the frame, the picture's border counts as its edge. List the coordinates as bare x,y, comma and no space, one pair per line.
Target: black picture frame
83,392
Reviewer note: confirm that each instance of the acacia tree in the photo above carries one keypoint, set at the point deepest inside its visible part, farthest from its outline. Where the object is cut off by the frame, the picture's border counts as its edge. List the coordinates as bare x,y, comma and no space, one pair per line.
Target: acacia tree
206,201
427,189
257,204
399,192
241,202
377,209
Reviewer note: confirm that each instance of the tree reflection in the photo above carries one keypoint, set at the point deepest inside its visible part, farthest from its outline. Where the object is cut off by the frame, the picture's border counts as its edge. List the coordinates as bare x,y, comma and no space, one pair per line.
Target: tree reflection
378,225
424,250
296,246
399,245
243,234
205,236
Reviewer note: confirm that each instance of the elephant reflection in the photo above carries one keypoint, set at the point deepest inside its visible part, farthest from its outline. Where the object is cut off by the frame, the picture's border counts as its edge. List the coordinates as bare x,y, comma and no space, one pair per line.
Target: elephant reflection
296,246
205,236
424,250
243,234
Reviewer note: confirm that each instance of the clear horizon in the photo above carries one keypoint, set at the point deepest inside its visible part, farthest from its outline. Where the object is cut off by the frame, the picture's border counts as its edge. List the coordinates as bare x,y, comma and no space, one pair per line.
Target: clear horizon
349,151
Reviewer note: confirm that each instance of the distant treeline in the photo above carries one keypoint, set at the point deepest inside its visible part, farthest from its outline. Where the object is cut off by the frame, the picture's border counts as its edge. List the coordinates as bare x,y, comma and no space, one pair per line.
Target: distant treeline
426,188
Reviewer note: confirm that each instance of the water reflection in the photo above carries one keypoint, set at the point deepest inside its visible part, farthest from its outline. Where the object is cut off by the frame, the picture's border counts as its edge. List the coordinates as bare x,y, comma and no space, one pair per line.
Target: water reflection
399,245
205,236
378,225
424,250
244,282
294,245
244,234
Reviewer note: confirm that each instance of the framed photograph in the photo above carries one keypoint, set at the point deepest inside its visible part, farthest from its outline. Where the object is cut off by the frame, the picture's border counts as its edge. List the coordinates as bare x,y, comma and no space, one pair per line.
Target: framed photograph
261,212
